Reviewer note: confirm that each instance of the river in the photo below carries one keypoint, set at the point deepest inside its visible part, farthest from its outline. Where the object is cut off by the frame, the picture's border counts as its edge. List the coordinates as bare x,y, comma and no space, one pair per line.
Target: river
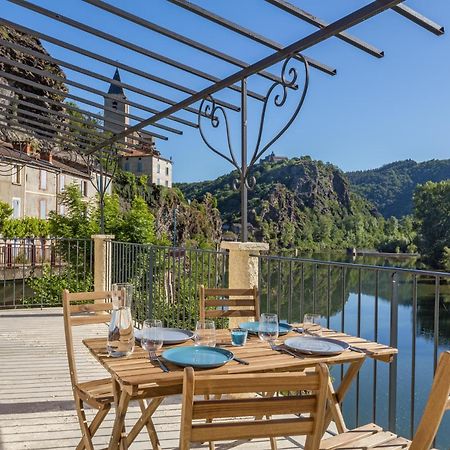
357,292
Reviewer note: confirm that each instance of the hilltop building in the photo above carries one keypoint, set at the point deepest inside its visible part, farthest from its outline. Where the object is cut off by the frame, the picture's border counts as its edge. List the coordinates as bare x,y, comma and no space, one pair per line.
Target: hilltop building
139,161
272,158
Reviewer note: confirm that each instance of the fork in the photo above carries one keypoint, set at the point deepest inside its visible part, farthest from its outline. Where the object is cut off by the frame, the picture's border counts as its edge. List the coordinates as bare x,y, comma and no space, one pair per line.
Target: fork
154,358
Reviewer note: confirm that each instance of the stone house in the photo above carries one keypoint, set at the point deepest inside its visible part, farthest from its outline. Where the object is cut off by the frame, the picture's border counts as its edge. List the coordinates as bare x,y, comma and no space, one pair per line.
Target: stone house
30,183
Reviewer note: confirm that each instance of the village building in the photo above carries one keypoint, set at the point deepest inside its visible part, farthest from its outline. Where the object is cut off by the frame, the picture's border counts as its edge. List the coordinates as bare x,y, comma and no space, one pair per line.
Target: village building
31,182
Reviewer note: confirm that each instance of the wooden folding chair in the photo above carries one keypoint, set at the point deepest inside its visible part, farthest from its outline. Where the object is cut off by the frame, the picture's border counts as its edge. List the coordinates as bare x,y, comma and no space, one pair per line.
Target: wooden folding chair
245,299
373,437
86,308
275,409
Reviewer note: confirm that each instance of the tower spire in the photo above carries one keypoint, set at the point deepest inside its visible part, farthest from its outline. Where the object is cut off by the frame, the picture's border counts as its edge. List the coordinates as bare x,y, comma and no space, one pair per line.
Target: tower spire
113,88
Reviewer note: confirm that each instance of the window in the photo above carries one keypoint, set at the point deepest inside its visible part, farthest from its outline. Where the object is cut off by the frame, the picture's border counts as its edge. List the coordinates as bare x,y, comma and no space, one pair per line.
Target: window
42,180
139,166
84,188
62,182
167,171
126,167
159,168
158,181
114,104
62,210
42,209
17,174
16,208
167,183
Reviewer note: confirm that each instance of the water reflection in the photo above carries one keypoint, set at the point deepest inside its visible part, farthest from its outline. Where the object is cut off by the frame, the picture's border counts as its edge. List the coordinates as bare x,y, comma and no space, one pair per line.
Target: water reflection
359,301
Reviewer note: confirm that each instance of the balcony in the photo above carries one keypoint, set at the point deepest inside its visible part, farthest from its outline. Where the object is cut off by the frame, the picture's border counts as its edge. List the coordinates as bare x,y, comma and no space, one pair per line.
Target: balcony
397,306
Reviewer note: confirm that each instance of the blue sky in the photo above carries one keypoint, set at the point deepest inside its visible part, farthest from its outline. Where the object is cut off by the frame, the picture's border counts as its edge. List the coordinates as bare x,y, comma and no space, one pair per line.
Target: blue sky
372,112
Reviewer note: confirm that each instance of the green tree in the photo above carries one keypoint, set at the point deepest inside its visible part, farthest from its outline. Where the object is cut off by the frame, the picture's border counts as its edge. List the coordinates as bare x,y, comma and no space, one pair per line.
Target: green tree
138,224
432,217
79,221
5,213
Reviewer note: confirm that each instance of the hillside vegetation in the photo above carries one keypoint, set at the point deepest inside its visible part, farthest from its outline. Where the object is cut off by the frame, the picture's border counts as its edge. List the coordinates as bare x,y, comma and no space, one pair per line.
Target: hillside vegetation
390,187
303,204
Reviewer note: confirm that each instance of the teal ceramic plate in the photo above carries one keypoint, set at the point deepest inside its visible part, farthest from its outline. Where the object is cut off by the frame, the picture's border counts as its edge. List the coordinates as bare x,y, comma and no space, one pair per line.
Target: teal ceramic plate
200,357
312,345
252,327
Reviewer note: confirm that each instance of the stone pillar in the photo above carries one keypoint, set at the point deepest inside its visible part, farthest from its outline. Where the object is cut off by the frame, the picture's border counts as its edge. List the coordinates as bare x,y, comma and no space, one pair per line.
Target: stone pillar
102,261
242,267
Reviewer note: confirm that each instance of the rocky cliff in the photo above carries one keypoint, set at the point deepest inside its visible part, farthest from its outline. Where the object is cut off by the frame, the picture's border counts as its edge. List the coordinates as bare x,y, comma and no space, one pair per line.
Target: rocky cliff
9,105
295,203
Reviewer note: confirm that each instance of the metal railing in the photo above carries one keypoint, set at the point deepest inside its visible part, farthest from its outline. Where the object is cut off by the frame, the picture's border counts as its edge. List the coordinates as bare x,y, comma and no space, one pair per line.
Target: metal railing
34,271
404,308
166,279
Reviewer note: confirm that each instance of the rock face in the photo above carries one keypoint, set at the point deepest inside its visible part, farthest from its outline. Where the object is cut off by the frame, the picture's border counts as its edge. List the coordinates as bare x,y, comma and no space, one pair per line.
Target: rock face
293,201
9,106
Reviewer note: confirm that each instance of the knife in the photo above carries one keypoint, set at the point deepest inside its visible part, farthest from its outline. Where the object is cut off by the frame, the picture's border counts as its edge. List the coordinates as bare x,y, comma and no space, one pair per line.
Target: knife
241,361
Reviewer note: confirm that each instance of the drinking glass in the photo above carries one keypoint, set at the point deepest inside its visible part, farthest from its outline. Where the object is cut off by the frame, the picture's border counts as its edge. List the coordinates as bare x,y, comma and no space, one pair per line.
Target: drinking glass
311,324
238,337
152,336
205,333
268,328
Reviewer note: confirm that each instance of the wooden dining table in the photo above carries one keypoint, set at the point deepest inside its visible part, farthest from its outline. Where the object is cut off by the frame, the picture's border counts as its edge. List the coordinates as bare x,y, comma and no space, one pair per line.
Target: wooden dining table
136,375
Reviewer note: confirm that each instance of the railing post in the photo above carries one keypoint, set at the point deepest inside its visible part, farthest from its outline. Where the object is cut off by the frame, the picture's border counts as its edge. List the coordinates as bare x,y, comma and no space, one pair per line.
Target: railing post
393,342
102,261
242,266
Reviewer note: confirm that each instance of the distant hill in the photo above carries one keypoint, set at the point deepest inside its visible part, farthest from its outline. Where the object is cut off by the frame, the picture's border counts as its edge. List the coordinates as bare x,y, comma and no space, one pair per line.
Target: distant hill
298,203
390,188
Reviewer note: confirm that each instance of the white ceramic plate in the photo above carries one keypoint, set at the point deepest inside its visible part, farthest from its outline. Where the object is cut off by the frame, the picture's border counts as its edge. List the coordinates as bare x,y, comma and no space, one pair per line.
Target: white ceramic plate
312,345
171,336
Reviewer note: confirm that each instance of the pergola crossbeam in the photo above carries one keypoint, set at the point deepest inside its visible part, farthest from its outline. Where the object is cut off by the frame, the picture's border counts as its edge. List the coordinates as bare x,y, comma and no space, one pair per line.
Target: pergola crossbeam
313,20
89,114
74,97
176,36
60,114
97,57
206,14
419,19
348,21
126,44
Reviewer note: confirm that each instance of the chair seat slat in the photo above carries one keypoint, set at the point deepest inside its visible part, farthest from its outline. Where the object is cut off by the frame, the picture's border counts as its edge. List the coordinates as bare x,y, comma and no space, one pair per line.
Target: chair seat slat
81,296
229,313
211,292
252,407
232,302
251,429
91,319
91,307
220,384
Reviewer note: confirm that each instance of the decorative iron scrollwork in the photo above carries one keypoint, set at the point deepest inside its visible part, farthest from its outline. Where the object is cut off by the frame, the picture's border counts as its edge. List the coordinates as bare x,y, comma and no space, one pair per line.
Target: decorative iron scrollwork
278,91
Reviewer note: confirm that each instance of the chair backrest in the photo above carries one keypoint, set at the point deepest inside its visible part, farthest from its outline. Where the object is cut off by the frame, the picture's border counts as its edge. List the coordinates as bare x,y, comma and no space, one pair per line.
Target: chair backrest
83,308
270,412
246,300
438,403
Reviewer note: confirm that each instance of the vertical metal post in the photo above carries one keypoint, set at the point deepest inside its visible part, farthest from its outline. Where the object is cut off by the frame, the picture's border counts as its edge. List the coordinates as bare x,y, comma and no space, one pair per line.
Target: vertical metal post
175,210
393,366
243,185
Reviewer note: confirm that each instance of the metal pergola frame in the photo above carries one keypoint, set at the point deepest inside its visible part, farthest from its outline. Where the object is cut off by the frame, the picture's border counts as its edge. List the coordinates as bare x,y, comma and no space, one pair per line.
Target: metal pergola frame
204,103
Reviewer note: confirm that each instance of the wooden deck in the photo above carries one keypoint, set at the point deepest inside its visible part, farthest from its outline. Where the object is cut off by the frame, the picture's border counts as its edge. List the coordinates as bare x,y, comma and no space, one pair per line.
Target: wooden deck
32,353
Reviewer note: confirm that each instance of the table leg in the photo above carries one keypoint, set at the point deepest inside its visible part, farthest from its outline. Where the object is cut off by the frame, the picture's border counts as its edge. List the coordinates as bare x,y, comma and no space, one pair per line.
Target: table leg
335,398
122,399
146,420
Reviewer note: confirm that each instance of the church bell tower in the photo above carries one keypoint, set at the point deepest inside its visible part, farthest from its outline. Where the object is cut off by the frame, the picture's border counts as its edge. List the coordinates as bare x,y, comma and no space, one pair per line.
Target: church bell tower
116,107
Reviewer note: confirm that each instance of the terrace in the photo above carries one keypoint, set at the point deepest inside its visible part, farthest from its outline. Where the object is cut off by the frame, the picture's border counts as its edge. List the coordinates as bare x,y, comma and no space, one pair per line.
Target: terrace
379,308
